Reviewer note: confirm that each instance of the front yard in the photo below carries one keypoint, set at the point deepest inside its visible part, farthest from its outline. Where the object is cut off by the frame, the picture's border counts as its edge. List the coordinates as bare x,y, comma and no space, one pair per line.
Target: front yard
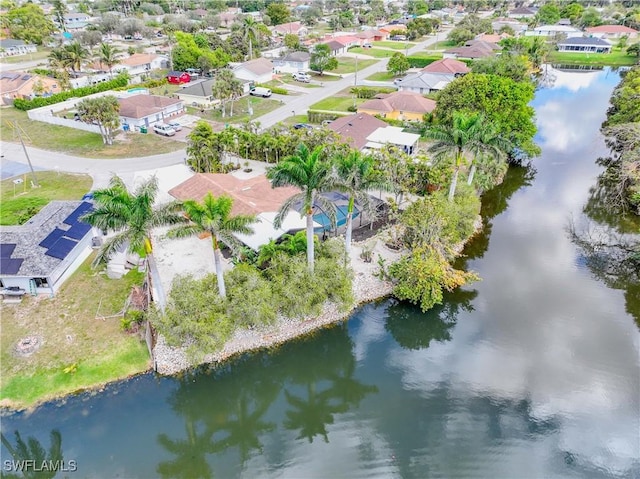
348,65
82,143
341,102
241,114
372,52
616,58
20,202
393,45
78,351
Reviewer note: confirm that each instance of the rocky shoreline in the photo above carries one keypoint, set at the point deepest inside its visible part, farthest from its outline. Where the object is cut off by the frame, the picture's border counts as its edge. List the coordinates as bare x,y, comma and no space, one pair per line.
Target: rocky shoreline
367,287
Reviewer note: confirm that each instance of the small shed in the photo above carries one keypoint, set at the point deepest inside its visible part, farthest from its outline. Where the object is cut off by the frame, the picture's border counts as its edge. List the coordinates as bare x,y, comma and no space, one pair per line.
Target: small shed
178,78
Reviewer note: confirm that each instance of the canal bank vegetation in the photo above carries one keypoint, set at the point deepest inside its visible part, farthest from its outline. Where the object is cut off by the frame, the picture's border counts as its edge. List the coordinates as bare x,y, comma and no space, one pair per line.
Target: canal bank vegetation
77,349
621,180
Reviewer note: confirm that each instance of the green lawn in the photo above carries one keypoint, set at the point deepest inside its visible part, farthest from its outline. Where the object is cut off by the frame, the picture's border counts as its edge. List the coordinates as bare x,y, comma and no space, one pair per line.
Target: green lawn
348,65
260,107
39,55
372,52
443,45
382,76
100,351
21,202
340,102
616,58
292,120
394,45
82,143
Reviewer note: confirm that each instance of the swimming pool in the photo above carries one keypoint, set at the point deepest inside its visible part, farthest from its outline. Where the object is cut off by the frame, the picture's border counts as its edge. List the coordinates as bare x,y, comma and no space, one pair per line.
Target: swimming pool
341,218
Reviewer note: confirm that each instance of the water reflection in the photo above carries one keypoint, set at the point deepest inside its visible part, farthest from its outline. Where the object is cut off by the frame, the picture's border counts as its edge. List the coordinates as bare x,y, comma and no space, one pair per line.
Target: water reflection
531,373
30,459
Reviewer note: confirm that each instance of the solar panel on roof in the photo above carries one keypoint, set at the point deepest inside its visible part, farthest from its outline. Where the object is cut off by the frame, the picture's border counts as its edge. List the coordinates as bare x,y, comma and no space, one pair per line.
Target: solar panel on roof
61,248
6,249
54,236
10,266
77,231
83,208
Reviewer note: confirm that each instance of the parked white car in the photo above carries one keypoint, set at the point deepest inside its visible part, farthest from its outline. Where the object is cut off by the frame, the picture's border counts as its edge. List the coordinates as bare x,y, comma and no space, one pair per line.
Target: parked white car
175,125
260,91
162,129
302,76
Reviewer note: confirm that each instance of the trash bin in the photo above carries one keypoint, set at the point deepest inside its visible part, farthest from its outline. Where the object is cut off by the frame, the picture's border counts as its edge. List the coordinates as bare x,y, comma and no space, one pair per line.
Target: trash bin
143,129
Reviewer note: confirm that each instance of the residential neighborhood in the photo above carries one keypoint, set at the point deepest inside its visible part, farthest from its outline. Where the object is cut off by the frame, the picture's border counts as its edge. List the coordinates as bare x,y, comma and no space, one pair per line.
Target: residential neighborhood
295,230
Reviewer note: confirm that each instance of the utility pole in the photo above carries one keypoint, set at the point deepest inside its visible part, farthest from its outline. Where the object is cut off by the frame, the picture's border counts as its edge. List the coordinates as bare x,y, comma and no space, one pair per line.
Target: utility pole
355,78
18,130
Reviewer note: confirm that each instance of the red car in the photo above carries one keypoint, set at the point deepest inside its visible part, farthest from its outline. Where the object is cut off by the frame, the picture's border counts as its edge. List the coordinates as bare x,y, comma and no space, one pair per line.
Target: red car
178,77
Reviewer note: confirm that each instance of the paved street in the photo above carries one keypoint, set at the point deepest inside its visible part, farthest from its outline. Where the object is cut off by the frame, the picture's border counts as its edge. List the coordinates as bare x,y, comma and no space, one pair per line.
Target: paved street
300,105
14,160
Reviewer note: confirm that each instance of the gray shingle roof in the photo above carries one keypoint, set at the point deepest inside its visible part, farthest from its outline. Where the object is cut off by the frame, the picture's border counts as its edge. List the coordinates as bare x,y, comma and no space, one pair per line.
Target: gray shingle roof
28,236
590,41
202,89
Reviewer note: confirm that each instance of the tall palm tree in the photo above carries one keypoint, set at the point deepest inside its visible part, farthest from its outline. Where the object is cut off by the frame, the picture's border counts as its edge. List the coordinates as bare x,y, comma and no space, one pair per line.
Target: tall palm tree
356,176
310,172
58,63
108,56
213,216
249,29
490,144
76,55
131,215
454,141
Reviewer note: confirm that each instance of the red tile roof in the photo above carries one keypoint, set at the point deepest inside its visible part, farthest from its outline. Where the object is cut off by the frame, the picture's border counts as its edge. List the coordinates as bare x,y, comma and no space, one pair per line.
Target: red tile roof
406,101
251,196
611,29
356,128
448,66
139,106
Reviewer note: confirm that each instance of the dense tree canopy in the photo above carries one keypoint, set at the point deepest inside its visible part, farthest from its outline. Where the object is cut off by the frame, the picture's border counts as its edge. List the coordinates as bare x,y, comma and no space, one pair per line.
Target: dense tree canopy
503,102
27,22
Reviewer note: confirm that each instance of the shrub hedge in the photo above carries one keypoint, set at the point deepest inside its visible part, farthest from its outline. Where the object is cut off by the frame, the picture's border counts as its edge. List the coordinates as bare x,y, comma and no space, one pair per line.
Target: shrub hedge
24,105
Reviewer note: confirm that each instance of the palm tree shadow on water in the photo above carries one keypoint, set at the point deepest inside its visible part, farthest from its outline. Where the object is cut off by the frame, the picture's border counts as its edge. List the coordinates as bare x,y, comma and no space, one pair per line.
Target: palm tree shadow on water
222,408
325,370
43,464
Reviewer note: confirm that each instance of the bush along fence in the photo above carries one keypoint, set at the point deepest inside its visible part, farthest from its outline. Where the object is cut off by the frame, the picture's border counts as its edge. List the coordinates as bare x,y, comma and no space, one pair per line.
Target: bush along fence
368,92
275,89
24,105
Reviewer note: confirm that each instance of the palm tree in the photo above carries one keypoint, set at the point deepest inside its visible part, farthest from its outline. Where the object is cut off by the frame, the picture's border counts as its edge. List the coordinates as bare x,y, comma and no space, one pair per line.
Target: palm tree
249,30
108,56
454,140
213,216
311,173
356,176
76,54
490,144
537,51
58,63
131,215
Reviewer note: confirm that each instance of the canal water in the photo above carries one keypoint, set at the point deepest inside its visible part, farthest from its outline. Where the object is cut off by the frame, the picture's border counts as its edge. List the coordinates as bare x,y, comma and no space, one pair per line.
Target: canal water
532,372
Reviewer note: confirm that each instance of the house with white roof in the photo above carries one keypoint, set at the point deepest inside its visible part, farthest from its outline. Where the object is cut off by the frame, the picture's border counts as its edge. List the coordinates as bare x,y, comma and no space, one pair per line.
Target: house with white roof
551,30
392,135
292,62
259,70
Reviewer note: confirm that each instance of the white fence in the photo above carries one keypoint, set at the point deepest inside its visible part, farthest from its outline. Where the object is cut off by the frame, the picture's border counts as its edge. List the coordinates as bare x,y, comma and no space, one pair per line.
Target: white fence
47,114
